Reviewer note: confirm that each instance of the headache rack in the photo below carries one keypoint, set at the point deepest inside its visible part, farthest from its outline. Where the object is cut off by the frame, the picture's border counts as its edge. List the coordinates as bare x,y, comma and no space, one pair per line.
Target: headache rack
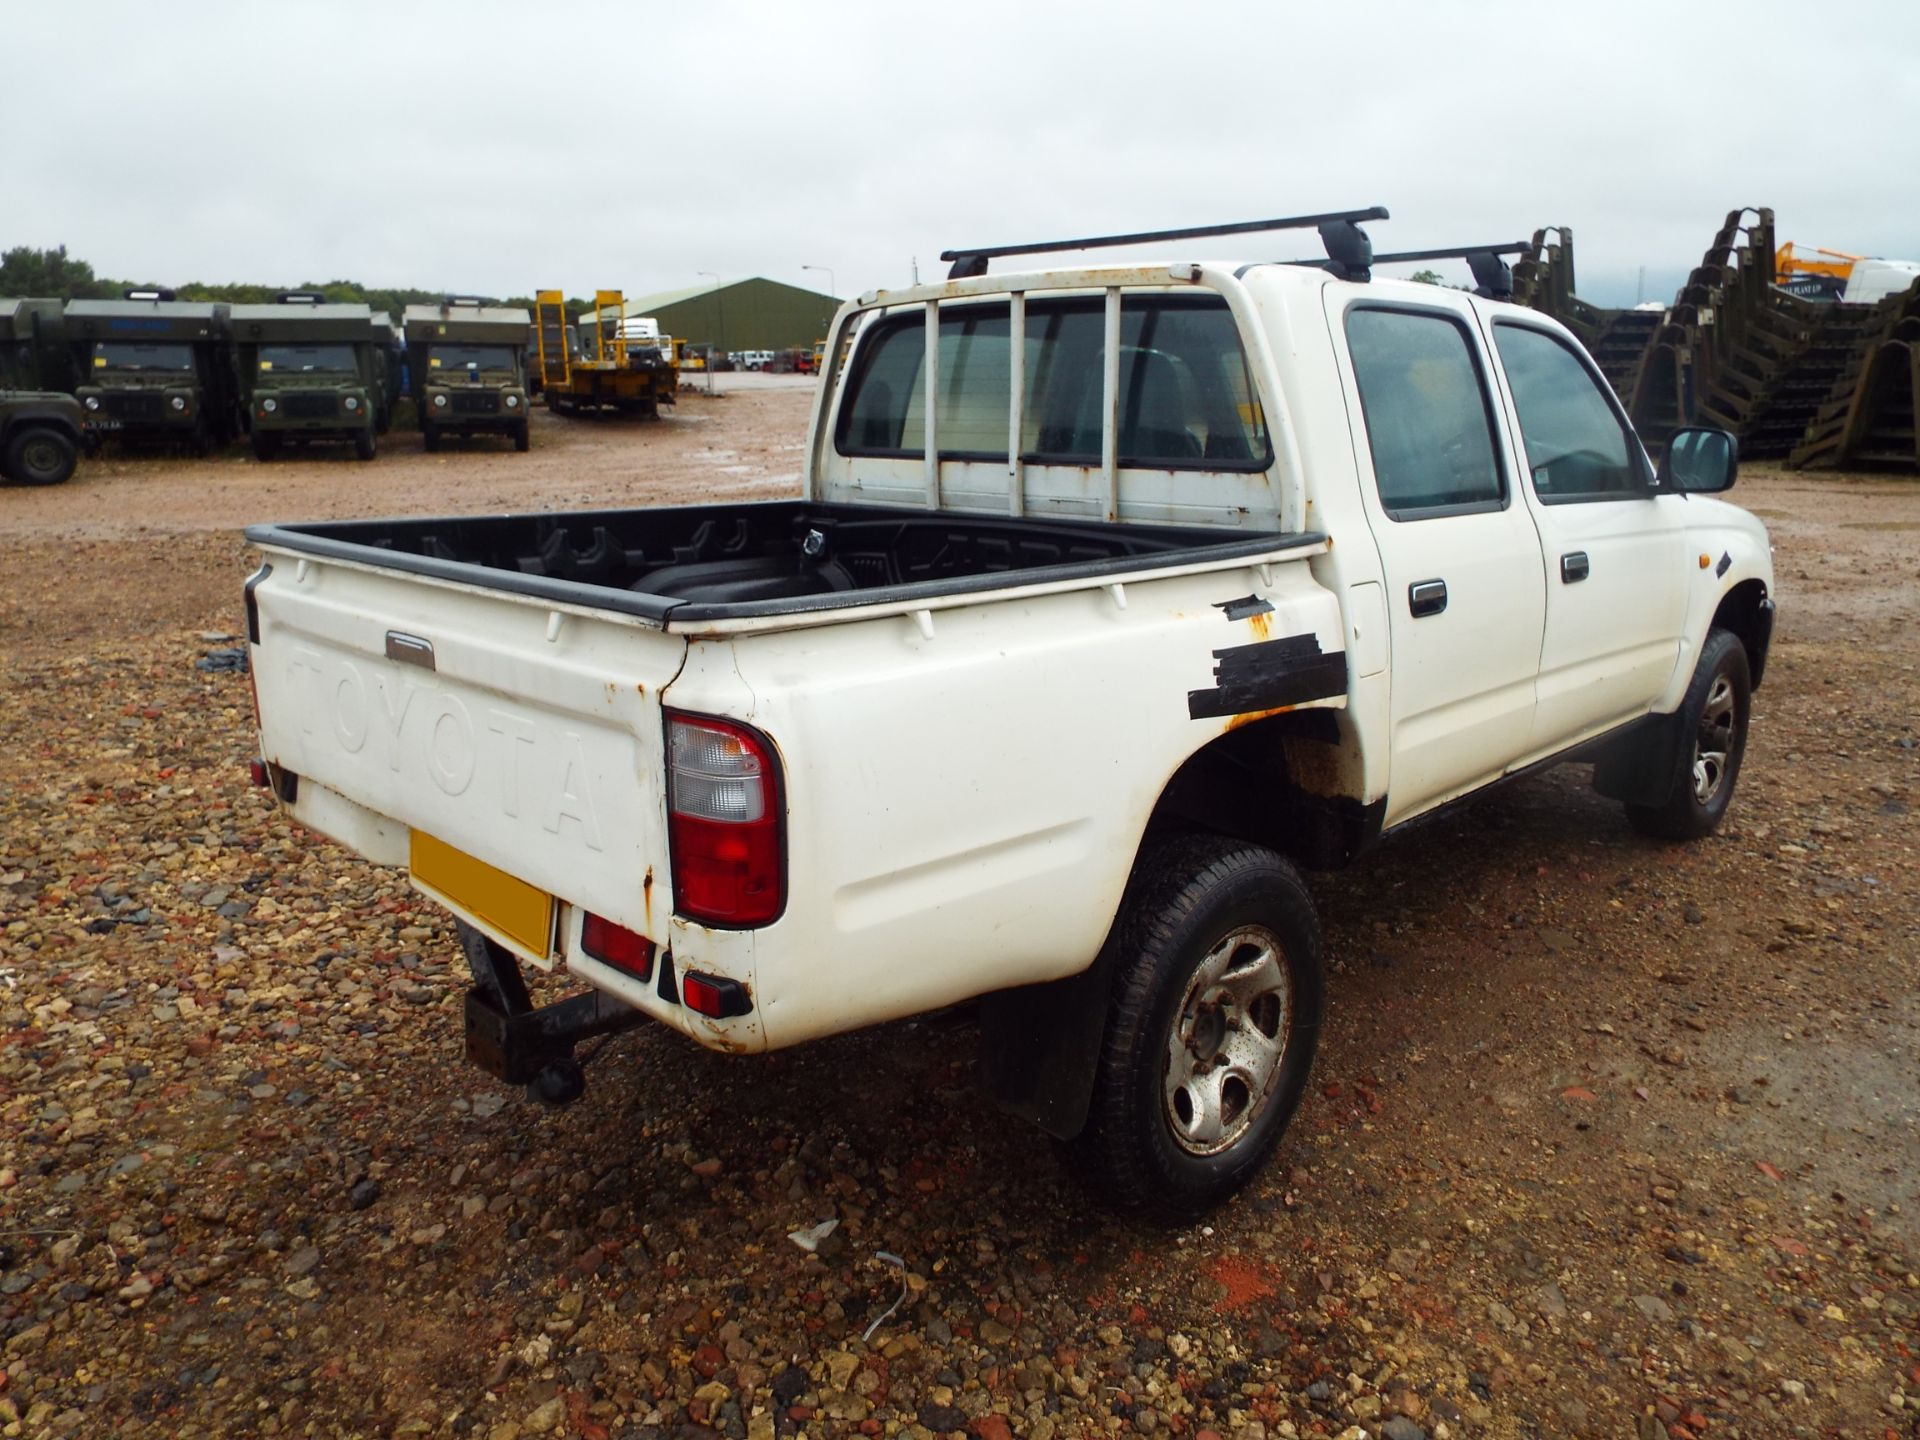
1349,252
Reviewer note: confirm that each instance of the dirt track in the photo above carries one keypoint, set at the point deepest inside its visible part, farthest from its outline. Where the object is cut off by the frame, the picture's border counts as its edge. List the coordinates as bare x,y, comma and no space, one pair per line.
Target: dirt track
1607,1138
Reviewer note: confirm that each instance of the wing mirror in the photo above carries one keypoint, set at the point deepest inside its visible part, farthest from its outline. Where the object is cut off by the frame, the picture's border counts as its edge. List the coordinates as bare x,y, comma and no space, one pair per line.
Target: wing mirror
1699,461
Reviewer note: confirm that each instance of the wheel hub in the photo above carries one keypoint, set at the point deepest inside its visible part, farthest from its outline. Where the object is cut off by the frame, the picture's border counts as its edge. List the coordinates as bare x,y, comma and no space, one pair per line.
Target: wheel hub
1713,741
1228,1038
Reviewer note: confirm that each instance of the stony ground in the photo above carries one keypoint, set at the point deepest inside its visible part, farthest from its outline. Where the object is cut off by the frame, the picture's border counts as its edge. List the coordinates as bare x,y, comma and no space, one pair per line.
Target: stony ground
1607,1139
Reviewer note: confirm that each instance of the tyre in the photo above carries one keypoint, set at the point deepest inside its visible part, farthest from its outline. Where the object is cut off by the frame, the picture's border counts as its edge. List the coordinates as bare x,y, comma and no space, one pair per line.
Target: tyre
430,436
1715,713
1218,990
266,445
38,455
364,445
522,440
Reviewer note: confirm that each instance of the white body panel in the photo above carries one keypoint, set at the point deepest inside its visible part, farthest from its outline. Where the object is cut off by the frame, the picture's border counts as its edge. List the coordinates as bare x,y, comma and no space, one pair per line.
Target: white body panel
967,777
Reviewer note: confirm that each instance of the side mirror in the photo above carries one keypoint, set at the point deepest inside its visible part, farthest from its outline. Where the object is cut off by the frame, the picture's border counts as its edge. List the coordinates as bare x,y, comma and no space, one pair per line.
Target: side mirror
1699,461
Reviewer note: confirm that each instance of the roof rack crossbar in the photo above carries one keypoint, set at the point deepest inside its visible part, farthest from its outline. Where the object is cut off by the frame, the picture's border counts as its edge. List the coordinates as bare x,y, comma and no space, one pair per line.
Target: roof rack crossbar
1492,276
968,262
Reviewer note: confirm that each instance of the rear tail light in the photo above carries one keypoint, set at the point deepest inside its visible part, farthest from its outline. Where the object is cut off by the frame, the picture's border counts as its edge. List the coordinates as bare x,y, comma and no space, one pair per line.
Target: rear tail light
617,946
724,817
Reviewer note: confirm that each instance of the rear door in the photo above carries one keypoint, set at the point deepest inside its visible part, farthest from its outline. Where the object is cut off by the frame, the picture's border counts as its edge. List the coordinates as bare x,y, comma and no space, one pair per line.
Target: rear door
1616,550
1465,594
521,745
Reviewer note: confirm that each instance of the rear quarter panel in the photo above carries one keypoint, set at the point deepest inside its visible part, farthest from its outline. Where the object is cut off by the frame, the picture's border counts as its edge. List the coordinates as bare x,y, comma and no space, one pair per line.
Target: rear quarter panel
964,809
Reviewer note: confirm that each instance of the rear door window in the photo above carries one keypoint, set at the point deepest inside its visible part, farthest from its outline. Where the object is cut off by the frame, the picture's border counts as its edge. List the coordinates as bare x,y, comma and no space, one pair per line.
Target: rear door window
1186,397
1428,414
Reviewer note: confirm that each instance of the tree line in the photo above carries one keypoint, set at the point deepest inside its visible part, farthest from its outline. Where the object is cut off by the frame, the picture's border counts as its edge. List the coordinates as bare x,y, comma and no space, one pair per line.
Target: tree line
53,274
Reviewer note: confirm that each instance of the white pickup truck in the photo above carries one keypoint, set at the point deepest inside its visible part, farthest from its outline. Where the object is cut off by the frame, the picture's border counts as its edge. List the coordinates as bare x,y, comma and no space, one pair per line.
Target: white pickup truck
1114,594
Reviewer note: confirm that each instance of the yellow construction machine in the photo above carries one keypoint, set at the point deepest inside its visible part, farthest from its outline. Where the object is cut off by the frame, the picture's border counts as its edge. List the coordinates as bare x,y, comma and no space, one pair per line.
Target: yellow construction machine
1813,279
603,362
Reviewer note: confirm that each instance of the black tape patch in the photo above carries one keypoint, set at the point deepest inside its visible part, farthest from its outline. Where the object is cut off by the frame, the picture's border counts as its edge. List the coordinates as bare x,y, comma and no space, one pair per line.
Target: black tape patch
1243,607
1726,564
1268,675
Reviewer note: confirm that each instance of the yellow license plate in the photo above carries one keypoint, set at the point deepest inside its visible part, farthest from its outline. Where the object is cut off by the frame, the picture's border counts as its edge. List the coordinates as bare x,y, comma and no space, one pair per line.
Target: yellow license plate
510,906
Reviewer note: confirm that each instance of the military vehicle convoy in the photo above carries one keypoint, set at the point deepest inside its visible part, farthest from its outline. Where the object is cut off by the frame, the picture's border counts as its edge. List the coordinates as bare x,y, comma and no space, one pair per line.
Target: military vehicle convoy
309,371
42,430
154,368
466,369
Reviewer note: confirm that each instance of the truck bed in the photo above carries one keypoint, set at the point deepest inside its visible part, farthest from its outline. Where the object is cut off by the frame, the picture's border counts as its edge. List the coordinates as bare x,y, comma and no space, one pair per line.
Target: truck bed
740,561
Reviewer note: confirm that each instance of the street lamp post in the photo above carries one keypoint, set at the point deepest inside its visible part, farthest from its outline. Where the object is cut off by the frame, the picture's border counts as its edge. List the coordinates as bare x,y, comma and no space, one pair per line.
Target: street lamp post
720,324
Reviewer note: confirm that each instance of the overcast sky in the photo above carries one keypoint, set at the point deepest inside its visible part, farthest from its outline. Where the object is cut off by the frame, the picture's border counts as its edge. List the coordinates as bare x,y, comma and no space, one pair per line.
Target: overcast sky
504,147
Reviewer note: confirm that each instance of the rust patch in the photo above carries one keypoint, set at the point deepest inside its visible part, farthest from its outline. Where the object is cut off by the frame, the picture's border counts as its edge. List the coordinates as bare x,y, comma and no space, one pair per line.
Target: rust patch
646,897
1262,625
1234,722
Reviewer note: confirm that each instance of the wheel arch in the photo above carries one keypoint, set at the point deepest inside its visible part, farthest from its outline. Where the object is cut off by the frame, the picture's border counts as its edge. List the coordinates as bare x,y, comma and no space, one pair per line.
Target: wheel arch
1746,611
1284,781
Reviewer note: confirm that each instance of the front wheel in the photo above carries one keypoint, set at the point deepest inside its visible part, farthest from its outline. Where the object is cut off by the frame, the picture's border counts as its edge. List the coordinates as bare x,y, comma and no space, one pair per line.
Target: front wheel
1715,713
430,436
364,444
37,455
1218,991
266,445
522,441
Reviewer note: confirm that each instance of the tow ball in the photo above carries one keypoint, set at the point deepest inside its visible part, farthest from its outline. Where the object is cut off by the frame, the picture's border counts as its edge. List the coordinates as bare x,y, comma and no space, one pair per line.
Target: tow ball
514,1040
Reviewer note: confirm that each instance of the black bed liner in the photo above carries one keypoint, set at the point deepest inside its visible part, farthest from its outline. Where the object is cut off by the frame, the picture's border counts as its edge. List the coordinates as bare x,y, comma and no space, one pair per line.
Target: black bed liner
878,554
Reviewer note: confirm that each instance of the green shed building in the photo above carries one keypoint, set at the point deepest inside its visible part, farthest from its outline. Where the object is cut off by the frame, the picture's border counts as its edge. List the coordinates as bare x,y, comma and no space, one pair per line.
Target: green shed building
756,314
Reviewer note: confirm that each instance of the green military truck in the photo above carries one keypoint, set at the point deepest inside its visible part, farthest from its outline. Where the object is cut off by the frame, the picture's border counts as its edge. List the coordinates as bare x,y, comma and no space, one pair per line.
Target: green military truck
42,431
154,368
466,369
310,371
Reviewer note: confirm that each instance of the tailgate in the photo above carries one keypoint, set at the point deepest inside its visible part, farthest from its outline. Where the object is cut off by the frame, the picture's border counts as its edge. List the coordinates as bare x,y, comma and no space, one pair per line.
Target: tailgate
523,735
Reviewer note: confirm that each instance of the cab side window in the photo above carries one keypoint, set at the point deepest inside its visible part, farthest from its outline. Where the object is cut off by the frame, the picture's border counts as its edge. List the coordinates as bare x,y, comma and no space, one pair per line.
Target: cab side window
1578,448
1429,421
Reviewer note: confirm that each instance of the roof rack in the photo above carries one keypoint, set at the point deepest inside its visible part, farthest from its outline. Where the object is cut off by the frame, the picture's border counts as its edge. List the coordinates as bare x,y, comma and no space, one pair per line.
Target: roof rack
1347,245
1492,276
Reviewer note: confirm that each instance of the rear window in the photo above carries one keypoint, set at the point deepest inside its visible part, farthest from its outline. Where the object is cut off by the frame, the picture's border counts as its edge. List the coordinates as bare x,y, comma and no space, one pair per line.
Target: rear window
1186,395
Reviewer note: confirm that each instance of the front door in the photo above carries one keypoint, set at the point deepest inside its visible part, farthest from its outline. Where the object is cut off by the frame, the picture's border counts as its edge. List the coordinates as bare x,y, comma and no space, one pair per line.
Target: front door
1615,549
1461,556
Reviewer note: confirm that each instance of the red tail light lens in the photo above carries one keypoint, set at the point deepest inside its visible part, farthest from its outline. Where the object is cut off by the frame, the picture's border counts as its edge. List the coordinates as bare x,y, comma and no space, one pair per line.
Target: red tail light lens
617,946
725,827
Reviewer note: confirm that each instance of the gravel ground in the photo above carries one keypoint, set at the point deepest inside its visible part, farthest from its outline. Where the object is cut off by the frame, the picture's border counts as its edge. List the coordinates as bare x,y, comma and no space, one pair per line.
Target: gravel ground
1607,1138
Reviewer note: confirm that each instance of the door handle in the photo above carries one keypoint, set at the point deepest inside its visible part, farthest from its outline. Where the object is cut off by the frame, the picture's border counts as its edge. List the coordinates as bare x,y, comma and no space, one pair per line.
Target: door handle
1427,597
1573,567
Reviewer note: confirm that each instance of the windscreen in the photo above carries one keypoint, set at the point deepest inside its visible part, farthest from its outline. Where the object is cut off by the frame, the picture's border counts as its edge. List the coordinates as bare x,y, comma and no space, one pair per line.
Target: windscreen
308,359
459,357
131,356
1186,398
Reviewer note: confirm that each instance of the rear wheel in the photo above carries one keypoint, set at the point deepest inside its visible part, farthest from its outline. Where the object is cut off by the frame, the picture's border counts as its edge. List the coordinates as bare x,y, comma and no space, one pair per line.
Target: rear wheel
1718,705
37,455
1218,993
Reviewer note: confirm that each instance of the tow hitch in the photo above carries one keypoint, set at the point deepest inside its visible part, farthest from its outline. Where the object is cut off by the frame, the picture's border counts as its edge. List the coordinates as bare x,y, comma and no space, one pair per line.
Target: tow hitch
523,1044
